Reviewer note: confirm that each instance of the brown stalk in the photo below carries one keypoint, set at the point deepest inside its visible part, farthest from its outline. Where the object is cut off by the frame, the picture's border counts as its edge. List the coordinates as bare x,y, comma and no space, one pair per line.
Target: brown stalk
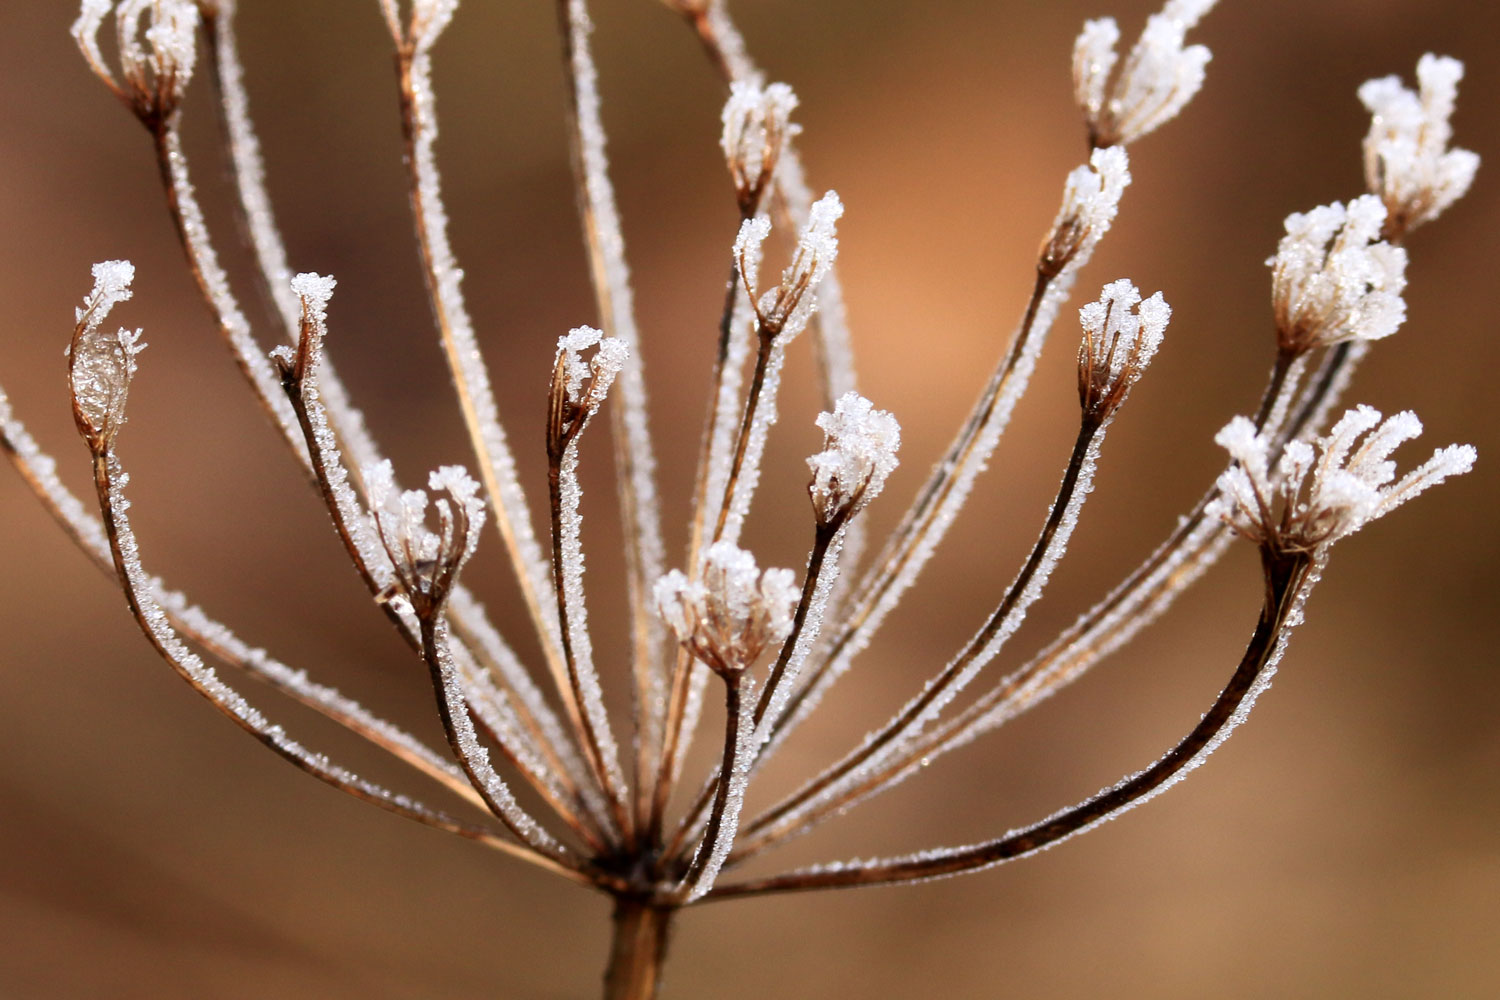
294,381
411,126
1076,646
106,485
734,689
939,686
1286,579
633,514
565,423
919,519
823,539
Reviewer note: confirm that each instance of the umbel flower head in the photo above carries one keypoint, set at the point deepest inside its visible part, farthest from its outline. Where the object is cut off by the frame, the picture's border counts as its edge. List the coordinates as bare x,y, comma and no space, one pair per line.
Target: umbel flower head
426,562
1407,159
1334,280
757,124
783,311
732,613
1121,334
1316,495
1159,76
859,452
156,61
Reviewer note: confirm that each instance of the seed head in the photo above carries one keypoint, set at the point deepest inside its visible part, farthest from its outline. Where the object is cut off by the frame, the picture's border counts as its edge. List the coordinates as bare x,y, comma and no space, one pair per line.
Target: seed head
1333,280
733,613
1407,160
859,452
1317,495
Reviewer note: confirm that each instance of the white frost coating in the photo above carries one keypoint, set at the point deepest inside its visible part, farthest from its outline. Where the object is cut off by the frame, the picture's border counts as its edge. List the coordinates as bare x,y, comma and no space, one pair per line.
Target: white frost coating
1131,328
748,245
1094,59
39,469
1091,199
783,312
215,284
860,444
807,638
313,292
1241,713
835,349
1407,159
762,421
585,384
475,756
1156,81
908,724
1313,498
496,463
645,552
156,72
265,236
205,680
1333,279
101,365
756,124
733,612
492,707
734,800
473,624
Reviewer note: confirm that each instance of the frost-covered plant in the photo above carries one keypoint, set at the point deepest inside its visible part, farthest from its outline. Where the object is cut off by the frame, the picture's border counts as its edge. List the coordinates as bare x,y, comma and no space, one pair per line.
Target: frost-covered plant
614,819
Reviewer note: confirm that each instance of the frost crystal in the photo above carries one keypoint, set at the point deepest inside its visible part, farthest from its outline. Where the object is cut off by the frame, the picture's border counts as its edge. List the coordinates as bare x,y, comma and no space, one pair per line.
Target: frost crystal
1121,335
1332,279
1091,199
783,311
733,613
1158,79
426,562
1314,497
1407,159
859,452
585,383
101,365
756,125
156,62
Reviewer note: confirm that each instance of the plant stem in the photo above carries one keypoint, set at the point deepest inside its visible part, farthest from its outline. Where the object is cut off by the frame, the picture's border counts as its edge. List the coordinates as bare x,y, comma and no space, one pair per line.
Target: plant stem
638,949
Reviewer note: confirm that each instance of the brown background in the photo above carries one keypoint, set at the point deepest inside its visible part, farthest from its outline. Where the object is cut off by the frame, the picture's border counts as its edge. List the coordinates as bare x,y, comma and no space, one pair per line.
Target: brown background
1344,844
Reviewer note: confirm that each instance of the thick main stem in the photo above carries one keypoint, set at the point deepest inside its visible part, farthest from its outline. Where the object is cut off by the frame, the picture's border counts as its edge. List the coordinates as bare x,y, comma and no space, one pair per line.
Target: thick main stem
638,949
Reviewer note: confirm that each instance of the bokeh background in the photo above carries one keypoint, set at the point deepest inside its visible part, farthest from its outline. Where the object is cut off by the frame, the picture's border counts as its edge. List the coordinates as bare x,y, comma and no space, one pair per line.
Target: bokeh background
1343,844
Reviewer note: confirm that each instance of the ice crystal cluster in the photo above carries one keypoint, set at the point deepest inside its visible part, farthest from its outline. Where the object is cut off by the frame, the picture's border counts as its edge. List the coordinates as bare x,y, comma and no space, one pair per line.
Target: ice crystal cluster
611,806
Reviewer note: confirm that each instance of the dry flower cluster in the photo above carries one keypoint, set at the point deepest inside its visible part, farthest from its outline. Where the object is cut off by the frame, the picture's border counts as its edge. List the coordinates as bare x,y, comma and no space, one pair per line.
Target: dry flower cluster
622,816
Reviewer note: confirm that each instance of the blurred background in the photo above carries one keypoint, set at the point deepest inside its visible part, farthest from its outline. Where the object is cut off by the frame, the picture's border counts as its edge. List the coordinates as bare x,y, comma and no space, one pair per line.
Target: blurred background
1343,844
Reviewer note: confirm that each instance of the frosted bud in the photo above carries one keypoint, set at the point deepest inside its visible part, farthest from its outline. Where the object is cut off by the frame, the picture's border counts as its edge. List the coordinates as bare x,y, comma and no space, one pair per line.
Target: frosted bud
583,369
859,452
1158,78
1332,279
756,126
733,613
1316,495
313,291
1091,199
157,45
1407,159
100,365
785,309
426,562
1121,334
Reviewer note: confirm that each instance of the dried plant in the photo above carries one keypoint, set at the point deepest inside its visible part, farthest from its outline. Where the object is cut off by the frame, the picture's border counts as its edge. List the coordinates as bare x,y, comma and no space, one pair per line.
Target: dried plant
617,815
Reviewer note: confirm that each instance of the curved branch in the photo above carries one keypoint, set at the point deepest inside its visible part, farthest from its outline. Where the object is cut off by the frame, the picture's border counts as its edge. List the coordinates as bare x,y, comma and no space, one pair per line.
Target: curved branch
1288,581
